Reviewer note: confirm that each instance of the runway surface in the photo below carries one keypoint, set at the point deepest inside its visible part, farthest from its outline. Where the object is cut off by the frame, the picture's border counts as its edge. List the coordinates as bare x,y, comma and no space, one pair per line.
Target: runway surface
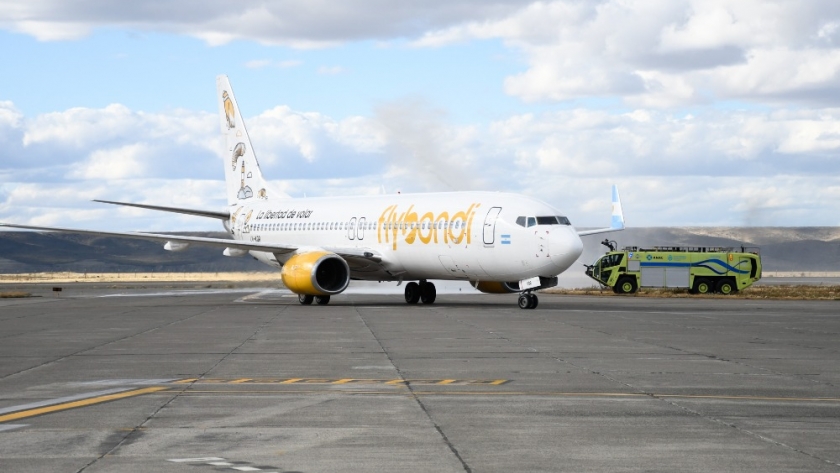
208,381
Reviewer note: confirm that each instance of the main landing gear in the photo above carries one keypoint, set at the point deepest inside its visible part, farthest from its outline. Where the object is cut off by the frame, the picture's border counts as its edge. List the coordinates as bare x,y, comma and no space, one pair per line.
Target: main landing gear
527,300
424,291
307,300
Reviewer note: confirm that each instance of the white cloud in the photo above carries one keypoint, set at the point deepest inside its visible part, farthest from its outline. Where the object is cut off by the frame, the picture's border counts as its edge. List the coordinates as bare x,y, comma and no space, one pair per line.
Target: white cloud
303,24
118,163
648,53
711,167
667,54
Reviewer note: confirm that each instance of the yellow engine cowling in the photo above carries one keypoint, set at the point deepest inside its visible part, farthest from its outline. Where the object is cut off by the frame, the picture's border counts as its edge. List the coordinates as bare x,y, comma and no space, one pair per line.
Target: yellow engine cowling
496,287
316,273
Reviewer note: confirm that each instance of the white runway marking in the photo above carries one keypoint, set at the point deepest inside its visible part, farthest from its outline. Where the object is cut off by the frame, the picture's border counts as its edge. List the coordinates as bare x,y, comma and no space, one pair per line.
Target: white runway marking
5,427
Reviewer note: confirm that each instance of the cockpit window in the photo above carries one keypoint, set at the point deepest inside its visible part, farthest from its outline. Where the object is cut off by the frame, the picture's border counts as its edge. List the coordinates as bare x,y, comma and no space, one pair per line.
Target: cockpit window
553,220
520,221
532,221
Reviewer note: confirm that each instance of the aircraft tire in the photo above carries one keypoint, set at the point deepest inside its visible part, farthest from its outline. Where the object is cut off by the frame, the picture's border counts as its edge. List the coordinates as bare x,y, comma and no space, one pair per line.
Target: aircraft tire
524,301
535,301
428,293
412,293
305,300
322,300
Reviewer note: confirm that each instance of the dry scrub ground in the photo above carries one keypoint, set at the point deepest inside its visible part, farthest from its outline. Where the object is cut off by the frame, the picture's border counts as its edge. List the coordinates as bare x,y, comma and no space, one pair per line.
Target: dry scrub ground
792,292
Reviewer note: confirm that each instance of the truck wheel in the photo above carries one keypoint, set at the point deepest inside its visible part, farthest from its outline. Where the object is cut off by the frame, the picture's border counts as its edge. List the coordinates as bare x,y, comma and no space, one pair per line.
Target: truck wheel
626,285
702,286
726,287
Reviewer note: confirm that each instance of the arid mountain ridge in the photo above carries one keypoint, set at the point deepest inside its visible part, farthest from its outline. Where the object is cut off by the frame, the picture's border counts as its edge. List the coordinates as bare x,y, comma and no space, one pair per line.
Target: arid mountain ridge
782,249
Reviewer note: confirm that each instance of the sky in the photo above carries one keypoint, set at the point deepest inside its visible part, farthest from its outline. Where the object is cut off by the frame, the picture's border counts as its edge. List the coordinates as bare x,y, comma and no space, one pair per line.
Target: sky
703,112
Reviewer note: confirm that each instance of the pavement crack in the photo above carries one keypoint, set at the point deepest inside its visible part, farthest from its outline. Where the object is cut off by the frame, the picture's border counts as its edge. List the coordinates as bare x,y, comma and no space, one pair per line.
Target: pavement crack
176,394
416,398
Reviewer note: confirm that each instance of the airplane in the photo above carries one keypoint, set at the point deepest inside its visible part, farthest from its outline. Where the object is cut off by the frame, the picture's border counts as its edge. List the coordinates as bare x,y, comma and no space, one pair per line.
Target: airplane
499,242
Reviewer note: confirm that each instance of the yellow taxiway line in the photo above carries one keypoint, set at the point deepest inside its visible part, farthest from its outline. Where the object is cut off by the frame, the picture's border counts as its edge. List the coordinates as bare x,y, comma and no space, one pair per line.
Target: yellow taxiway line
80,403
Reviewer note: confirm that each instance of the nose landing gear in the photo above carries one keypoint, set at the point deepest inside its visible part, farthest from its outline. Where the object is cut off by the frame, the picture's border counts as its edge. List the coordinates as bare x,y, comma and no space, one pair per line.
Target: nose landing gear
527,300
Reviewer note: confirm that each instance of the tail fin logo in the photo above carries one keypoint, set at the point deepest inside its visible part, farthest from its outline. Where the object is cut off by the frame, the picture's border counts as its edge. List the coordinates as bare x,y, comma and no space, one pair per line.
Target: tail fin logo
229,113
245,191
238,152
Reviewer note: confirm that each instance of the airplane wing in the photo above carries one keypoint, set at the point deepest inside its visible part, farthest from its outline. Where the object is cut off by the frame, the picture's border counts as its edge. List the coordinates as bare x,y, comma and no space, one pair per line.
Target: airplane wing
345,252
196,212
617,221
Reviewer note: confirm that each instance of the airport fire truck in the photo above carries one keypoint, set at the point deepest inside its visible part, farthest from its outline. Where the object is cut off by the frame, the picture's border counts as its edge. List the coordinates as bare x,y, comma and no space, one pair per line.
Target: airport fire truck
702,270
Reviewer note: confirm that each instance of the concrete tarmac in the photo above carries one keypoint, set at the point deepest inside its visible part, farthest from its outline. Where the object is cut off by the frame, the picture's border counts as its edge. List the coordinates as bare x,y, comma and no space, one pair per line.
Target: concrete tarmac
134,380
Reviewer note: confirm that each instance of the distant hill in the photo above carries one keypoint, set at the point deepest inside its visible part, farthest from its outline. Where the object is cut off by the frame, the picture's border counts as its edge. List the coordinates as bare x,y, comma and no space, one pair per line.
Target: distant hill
28,252
781,248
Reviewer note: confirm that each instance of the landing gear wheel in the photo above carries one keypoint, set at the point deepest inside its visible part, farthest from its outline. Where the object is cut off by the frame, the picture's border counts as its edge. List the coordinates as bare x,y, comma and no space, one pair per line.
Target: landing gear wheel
726,287
304,299
528,301
626,285
428,293
322,300
412,293
702,286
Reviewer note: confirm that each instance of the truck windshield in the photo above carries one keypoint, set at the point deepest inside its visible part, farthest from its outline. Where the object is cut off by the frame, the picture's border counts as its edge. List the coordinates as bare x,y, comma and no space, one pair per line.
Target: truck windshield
611,260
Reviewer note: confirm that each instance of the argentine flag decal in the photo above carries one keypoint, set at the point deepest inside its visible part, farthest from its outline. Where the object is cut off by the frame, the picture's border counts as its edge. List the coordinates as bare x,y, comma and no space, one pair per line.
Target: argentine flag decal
506,239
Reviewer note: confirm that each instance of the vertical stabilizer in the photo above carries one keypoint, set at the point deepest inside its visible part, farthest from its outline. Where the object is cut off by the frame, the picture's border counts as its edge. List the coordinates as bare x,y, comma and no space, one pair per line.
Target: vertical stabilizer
244,179
617,220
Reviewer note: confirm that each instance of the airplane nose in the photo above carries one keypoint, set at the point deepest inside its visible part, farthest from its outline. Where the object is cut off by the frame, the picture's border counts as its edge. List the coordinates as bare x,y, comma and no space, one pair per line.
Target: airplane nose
566,248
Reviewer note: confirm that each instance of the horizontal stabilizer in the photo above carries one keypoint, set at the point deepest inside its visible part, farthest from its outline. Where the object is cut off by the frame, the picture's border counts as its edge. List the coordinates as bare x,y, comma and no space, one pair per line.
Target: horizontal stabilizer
177,210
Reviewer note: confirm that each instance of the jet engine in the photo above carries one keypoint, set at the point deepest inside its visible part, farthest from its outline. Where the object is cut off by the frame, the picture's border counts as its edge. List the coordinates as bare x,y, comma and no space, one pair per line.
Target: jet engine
495,287
316,273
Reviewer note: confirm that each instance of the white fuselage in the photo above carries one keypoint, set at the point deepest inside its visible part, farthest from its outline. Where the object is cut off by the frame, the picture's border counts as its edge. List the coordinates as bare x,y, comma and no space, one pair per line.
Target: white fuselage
458,235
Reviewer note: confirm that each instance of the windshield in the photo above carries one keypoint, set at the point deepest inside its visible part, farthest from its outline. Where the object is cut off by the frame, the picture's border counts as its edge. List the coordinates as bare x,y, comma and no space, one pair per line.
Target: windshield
611,260
523,221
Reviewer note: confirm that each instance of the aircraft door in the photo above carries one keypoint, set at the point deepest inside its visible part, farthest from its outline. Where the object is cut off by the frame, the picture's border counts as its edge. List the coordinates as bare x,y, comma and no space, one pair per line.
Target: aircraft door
490,225
351,229
360,232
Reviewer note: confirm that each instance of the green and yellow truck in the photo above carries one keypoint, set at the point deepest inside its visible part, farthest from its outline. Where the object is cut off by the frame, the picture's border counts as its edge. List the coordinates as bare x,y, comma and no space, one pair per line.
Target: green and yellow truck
702,270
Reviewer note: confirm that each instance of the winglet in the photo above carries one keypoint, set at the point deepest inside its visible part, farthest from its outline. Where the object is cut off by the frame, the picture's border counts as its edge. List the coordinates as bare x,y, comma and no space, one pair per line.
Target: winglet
617,219
617,222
